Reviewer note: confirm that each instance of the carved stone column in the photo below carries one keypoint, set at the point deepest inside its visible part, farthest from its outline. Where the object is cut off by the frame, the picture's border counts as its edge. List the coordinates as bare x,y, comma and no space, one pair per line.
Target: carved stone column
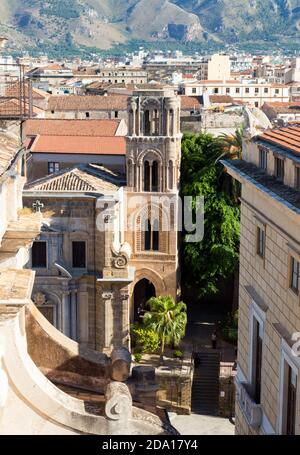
83,314
66,313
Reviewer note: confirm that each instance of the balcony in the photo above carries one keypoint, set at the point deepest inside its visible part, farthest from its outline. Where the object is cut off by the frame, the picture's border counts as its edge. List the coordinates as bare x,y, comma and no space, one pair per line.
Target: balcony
251,410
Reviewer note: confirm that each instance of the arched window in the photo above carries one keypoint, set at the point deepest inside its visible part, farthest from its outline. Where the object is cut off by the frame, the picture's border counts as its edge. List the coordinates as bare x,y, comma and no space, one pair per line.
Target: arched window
171,122
151,235
156,122
148,235
170,175
130,173
155,176
155,236
146,176
147,130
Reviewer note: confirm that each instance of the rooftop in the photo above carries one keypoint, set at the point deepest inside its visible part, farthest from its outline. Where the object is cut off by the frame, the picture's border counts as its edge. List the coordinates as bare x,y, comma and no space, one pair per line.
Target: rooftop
58,127
285,194
88,103
287,137
79,144
283,108
82,178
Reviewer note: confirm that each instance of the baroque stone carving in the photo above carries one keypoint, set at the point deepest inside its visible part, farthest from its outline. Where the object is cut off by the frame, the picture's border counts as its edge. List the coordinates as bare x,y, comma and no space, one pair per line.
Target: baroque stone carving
39,299
118,404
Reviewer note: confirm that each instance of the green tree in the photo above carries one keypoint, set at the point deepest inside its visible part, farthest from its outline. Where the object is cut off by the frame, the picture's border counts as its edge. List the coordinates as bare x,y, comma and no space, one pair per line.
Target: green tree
215,258
168,319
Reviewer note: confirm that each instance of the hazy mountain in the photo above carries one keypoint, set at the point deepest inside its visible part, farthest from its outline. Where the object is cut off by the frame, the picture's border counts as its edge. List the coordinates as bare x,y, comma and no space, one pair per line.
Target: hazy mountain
105,23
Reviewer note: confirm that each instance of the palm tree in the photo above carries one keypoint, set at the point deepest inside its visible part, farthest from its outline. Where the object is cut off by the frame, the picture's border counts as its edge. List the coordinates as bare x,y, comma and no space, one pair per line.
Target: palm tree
167,318
232,144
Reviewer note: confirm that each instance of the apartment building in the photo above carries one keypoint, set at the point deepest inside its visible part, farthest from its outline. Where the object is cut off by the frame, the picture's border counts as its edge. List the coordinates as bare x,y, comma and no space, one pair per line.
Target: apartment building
268,387
252,93
217,67
123,75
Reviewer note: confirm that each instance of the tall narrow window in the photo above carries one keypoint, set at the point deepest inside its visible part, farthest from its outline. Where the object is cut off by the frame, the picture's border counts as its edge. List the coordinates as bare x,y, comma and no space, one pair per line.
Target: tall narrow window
156,122
155,176
39,255
171,175
258,364
151,235
148,235
295,275
263,159
155,236
279,169
291,402
79,255
147,123
261,242
146,176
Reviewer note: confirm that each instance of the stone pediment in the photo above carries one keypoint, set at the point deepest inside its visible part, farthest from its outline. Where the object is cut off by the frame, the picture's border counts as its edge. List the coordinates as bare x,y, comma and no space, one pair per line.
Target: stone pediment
90,178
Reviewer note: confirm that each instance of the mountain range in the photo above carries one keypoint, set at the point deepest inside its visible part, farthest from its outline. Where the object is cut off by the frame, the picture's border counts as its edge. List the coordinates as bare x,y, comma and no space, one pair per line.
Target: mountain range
104,24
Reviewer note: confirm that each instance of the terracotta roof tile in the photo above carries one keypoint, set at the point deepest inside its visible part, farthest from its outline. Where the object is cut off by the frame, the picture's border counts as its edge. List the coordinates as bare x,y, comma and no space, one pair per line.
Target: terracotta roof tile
79,145
287,138
88,103
282,108
79,178
191,102
57,127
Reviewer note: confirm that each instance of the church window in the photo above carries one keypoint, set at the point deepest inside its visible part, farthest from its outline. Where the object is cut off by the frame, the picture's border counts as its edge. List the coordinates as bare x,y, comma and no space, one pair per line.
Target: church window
79,255
146,176
39,255
170,175
155,176
147,123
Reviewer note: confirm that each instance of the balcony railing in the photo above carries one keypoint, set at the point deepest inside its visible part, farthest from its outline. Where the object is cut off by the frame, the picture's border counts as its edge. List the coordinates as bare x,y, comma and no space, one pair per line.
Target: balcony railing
15,93
251,410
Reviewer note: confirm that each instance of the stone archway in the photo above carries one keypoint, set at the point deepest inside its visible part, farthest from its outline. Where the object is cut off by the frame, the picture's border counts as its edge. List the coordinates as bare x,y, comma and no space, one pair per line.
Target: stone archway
143,291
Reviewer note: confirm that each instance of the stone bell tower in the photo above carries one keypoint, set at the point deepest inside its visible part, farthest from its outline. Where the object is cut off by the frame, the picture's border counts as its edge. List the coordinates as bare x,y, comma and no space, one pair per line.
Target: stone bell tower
153,172
154,141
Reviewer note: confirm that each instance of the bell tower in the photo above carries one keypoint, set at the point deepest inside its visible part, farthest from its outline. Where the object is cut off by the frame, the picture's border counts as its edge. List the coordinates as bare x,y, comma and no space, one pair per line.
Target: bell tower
153,172
153,142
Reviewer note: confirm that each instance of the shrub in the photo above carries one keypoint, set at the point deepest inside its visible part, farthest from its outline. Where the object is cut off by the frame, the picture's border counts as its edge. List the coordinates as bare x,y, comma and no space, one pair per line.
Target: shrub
138,357
178,355
145,339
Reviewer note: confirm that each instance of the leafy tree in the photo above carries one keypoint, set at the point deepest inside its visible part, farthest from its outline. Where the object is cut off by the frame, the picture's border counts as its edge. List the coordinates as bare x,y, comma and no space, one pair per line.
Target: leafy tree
168,319
215,258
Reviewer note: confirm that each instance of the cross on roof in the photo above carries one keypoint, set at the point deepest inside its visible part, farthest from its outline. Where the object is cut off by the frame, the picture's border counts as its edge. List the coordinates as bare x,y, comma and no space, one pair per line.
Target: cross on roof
38,205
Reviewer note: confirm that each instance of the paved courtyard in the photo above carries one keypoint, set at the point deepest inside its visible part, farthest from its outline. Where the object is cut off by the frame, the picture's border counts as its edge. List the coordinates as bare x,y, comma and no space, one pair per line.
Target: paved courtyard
198,425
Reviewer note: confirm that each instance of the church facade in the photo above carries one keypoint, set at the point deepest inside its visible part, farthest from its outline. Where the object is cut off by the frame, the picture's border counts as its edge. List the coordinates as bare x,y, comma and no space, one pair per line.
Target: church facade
110,242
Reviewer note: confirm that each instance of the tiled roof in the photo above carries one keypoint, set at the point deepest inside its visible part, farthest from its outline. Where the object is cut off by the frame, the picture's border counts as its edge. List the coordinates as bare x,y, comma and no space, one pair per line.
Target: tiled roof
12,108
283,108
268,183
287,137
83,178
191,102
9,146
79,144
221,99
57,127
13,91
88,103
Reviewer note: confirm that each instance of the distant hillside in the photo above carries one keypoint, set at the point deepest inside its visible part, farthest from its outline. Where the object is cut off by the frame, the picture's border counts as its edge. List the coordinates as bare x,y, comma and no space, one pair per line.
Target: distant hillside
103,24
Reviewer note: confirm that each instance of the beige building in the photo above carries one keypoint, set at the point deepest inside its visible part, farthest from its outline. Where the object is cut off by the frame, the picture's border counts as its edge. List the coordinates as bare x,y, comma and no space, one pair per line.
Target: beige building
217,68
268,377
254,94
125,75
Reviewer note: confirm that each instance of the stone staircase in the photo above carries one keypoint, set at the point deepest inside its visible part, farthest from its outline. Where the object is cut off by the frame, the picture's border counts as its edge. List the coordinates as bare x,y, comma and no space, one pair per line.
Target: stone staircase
205,389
